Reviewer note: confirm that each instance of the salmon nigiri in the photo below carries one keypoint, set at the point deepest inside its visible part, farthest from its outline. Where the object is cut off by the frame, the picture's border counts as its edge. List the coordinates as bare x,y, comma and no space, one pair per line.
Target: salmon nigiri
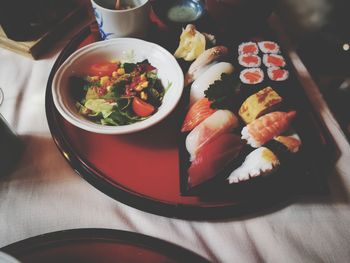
221,121
197,113
213,158
266,127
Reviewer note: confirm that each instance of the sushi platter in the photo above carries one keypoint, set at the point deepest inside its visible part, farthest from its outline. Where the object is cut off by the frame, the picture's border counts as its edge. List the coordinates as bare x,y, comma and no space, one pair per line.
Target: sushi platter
243,139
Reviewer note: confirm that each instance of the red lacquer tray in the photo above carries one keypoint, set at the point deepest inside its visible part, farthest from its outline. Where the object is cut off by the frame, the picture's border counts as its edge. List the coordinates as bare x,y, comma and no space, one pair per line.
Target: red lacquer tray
98,246
143,169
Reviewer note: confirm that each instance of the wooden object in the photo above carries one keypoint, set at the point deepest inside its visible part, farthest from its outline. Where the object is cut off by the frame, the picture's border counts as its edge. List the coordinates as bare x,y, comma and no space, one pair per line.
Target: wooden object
35,48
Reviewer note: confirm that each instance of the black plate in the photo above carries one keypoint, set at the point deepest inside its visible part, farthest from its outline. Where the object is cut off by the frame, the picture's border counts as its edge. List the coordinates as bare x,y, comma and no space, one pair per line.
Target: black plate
98,246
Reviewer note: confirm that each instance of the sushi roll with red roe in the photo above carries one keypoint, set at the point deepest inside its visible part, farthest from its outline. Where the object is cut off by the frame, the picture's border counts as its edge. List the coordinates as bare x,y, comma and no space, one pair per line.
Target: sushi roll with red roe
248,48
274,60
269,47
249,60
252,75
277,74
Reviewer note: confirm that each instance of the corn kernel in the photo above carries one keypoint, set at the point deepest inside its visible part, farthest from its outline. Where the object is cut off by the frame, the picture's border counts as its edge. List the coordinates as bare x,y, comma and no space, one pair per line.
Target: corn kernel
121,71
144,84
104,80
139,87
142,77
143,95
94,78
114,74
115,61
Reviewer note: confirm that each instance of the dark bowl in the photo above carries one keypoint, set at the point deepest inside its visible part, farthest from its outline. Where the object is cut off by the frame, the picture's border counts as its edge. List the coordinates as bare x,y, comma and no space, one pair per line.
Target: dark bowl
177,13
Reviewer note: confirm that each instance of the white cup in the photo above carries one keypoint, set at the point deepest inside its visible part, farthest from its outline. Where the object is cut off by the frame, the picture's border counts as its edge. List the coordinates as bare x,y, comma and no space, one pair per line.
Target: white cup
131,22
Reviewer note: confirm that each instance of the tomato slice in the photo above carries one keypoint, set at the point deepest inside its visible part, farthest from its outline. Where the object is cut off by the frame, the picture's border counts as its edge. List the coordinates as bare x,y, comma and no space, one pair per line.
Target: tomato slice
102,69
142,108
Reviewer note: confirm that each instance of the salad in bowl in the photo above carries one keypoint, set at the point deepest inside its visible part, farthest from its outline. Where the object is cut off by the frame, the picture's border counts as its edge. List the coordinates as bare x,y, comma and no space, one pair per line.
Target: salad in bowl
117,86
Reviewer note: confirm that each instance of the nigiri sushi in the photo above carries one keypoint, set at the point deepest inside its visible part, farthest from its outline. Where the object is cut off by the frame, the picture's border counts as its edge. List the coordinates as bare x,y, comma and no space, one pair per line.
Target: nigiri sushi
266,127
203,82
197,113
259,162
219,122
213,158
258,104
203,62
248,48
292,143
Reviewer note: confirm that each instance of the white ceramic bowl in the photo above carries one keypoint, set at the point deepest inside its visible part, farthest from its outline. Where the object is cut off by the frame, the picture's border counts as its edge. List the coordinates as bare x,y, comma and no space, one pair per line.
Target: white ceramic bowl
124,49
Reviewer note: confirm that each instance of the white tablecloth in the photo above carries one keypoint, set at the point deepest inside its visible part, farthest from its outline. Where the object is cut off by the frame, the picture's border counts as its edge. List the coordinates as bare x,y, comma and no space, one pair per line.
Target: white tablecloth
44,194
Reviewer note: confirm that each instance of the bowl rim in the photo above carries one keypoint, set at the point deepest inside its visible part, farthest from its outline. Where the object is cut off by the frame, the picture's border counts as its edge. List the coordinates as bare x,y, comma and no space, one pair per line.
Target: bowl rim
121,10
161,13
87,125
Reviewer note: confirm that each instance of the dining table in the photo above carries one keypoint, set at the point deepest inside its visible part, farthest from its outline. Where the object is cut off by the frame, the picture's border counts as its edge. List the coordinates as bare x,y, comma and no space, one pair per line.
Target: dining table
43,193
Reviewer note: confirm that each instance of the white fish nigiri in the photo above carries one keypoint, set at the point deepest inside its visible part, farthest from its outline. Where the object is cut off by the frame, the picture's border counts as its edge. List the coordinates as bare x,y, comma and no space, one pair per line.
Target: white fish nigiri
259,162
207,78
219,122
203,62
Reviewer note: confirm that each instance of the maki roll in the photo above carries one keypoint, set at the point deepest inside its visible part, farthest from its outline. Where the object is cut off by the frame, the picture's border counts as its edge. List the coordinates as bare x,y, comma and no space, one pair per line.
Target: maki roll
260,162
277,74
269,47
249,60
252,76
273,60
248,48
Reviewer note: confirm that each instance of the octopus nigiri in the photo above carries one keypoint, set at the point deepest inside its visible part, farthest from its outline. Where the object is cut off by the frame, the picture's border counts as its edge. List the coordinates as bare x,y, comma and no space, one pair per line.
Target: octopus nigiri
197,113
221,121
261,161
203,82
203,61
213,158
266,127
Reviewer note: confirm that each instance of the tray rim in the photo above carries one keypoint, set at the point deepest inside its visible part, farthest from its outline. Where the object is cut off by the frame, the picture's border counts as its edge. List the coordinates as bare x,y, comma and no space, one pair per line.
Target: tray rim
134,199
85,234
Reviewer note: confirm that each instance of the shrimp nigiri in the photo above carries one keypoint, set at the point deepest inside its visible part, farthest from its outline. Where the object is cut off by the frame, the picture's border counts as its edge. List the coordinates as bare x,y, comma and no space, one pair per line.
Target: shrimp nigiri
213,158
219,122
203,61
197,113
266,127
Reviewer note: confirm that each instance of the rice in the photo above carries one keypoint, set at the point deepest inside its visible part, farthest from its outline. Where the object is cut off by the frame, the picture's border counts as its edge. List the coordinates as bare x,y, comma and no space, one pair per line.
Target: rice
250,140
